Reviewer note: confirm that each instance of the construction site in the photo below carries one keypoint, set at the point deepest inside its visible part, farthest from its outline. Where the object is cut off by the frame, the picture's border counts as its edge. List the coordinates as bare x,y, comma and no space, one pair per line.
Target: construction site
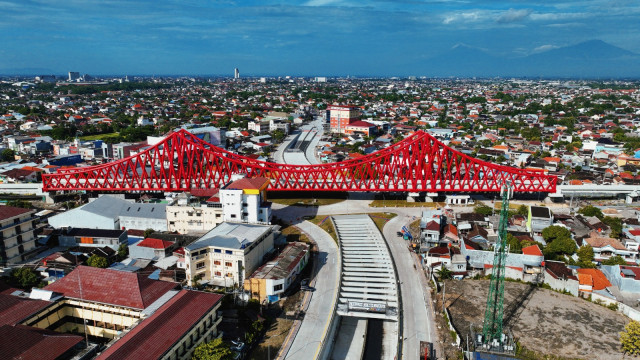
556,325
502,319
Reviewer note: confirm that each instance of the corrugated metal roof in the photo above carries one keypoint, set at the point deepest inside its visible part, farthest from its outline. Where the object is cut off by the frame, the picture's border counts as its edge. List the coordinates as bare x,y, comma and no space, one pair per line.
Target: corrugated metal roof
230,235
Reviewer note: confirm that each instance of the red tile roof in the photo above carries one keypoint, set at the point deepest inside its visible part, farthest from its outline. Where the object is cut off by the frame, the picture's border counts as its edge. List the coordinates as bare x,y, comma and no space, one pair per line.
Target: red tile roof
532,250
450,228
111,287
248,183
208,192
157,334
599,242
14,309
7,212
30,343
433,226
155,243
600,281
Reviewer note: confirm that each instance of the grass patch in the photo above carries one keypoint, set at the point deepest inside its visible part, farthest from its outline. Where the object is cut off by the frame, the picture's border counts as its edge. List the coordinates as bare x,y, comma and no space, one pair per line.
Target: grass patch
294,234
100,136
272,341
498,205
319,199
324,222
403,203
381,219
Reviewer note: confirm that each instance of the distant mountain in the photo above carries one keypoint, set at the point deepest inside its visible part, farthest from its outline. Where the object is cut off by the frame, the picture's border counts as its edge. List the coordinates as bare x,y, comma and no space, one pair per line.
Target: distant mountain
594,49
590,59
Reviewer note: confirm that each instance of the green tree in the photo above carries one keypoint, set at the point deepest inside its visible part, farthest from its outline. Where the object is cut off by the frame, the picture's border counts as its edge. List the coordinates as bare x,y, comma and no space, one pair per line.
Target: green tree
615,224
8,155
123,251
630,338
444,273
591,210
148,233
523,210
212,350
615,260
514,244
97,261
19,203
551,233
25,277
558,247
483,210
585,257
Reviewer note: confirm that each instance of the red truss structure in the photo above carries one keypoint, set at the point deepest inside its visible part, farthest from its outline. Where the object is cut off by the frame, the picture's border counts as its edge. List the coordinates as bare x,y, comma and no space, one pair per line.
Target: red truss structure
182,162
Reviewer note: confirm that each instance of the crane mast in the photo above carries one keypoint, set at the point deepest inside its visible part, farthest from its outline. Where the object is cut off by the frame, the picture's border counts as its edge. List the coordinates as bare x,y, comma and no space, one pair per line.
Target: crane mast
493,316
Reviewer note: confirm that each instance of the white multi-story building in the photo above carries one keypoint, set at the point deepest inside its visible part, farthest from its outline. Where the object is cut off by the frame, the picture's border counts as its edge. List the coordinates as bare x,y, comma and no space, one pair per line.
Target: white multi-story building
243,201
229,253
259,126
189,215
17,242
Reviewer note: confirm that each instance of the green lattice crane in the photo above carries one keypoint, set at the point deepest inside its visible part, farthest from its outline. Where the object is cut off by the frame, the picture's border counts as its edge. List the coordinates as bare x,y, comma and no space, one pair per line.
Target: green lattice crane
492,327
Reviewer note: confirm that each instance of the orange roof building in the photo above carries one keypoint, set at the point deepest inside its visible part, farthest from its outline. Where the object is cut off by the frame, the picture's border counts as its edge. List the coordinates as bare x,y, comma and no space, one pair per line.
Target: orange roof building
593,277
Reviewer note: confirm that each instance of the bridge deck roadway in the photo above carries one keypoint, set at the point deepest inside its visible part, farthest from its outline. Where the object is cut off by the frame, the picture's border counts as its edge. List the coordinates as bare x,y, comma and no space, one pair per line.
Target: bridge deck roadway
365,254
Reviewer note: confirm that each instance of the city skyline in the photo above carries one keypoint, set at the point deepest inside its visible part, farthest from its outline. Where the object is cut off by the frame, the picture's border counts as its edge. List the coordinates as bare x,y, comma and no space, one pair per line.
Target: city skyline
317,37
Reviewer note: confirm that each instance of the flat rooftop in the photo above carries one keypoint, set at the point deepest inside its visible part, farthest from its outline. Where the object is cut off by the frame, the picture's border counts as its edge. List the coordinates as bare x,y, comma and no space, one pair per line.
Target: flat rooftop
230,236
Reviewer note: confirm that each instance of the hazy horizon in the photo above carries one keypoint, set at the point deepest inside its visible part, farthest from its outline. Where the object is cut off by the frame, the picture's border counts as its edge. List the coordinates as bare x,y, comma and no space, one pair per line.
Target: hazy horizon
306,38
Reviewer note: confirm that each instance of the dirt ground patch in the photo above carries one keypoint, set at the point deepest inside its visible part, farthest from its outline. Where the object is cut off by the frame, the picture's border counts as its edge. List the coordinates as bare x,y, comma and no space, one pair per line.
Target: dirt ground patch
547,322
270,345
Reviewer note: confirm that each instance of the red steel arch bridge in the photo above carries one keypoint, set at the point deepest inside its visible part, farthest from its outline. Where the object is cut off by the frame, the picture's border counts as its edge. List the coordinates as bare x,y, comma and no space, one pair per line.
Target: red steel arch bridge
182,162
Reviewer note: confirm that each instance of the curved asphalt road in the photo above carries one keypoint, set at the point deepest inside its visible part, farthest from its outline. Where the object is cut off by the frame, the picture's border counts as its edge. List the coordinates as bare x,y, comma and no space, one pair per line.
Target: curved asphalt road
418,322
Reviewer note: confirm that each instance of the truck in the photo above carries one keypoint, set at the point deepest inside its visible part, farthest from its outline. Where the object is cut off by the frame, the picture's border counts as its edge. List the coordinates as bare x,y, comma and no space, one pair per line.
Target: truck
427,352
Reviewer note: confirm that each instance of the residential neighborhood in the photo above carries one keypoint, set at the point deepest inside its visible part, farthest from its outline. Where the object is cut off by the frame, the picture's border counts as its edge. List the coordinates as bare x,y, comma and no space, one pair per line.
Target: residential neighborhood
241,266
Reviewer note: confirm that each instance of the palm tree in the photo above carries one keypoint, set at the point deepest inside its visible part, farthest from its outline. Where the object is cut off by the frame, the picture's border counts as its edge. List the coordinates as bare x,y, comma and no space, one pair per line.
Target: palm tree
445,273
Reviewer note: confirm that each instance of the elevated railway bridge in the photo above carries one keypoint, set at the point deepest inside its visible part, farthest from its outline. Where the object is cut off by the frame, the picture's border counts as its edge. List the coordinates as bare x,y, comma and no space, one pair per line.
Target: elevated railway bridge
183,162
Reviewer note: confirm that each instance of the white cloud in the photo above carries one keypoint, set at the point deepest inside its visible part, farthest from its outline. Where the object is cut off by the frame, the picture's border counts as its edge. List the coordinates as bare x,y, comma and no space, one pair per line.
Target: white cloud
557,16
543,48
513,15
465,16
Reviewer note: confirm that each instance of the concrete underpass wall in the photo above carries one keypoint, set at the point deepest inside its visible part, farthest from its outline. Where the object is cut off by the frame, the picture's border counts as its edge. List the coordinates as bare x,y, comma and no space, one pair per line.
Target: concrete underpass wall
330,337
326,348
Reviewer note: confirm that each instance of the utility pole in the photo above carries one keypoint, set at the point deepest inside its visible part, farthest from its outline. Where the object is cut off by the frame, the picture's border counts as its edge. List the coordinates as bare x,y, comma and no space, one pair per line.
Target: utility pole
84,321
444,290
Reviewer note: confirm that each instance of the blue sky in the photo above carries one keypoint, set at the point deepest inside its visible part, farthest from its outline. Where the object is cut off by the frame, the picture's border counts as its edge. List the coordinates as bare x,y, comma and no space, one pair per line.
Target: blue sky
315,37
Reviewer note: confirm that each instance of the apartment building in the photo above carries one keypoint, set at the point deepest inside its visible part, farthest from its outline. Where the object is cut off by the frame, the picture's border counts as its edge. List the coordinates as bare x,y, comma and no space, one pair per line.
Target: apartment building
134,316
189,215
243,200
341,116
229,253
17,241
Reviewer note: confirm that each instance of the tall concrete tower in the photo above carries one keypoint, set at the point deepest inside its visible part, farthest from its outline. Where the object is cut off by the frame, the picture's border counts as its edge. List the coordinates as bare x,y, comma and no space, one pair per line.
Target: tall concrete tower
236,73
